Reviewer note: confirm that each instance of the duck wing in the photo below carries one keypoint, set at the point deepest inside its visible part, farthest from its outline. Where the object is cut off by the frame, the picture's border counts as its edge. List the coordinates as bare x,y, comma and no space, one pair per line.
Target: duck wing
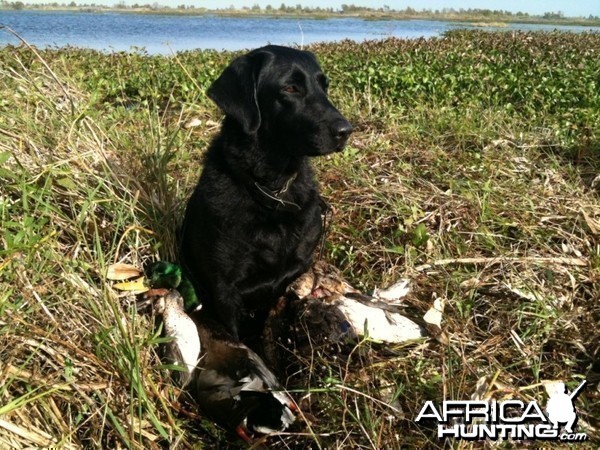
380,321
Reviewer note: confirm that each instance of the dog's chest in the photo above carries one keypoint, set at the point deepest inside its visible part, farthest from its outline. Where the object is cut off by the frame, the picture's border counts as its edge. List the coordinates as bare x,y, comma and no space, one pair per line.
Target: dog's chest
280,245
278,254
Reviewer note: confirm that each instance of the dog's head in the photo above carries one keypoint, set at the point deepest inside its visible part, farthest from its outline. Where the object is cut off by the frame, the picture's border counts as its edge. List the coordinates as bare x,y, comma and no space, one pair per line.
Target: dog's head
279,94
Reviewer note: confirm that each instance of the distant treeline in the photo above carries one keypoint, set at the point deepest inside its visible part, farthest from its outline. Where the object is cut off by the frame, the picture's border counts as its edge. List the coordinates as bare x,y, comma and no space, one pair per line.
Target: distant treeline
345,9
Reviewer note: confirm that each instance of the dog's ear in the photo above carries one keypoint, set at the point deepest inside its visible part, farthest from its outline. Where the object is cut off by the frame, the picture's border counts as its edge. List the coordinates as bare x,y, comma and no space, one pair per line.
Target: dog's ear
235,90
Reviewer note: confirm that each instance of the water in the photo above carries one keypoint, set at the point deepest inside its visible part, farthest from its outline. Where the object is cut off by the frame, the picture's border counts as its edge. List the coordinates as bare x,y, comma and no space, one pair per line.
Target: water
165,34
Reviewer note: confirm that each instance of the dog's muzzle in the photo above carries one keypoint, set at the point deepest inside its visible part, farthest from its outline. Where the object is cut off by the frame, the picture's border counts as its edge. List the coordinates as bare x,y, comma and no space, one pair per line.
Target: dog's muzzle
340,130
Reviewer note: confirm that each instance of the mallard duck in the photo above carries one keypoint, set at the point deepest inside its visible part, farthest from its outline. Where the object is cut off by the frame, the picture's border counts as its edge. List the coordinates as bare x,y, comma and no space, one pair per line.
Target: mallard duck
229,382
233,385
322,309
357,314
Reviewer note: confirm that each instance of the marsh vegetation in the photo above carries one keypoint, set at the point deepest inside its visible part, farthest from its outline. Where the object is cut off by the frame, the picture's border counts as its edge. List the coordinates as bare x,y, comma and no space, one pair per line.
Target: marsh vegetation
474,171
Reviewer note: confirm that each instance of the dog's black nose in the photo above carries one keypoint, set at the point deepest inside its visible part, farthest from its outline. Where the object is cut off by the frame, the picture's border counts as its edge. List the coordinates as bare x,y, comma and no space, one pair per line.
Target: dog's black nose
341,129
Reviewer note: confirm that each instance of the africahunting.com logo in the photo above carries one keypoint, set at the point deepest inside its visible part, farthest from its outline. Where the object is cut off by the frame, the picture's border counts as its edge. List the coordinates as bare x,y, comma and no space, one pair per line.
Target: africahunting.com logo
508,419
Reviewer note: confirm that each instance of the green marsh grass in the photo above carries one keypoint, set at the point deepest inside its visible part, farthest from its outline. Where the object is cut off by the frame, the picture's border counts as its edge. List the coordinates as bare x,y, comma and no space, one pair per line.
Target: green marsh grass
473,171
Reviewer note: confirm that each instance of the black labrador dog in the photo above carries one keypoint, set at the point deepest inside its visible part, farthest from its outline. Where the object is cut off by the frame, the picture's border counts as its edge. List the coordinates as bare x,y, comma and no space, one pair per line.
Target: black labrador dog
254,220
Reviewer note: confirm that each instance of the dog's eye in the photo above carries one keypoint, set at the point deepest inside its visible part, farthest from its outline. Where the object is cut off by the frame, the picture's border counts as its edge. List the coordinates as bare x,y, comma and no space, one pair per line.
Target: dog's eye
291,89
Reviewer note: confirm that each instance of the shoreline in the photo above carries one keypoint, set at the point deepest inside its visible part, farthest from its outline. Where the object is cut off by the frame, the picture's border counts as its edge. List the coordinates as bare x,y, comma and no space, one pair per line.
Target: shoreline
476,20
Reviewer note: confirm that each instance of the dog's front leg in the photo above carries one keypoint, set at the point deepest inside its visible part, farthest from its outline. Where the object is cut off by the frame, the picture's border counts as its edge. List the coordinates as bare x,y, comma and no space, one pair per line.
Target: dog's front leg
228,307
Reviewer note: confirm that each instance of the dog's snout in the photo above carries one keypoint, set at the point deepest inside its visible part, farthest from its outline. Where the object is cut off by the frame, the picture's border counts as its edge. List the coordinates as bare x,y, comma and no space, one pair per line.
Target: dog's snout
341,129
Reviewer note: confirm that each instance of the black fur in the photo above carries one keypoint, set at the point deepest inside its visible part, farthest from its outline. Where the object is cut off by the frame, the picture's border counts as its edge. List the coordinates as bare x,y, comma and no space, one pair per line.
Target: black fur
253,222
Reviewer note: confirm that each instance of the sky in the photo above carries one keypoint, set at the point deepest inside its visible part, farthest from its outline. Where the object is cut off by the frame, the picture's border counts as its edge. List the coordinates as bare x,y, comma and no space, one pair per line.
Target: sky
570,8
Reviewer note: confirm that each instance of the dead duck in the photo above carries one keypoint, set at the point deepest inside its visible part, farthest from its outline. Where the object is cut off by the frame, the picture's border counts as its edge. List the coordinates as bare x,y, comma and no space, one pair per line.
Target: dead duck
229,382
233,385
378,317
321,309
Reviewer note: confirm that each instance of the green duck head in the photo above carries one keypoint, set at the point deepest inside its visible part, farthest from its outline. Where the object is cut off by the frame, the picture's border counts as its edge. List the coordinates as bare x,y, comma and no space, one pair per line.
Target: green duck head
164,275
168,275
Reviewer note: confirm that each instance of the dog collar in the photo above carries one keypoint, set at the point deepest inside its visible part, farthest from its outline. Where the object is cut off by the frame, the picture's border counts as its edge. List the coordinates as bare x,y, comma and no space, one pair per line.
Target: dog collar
273,199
